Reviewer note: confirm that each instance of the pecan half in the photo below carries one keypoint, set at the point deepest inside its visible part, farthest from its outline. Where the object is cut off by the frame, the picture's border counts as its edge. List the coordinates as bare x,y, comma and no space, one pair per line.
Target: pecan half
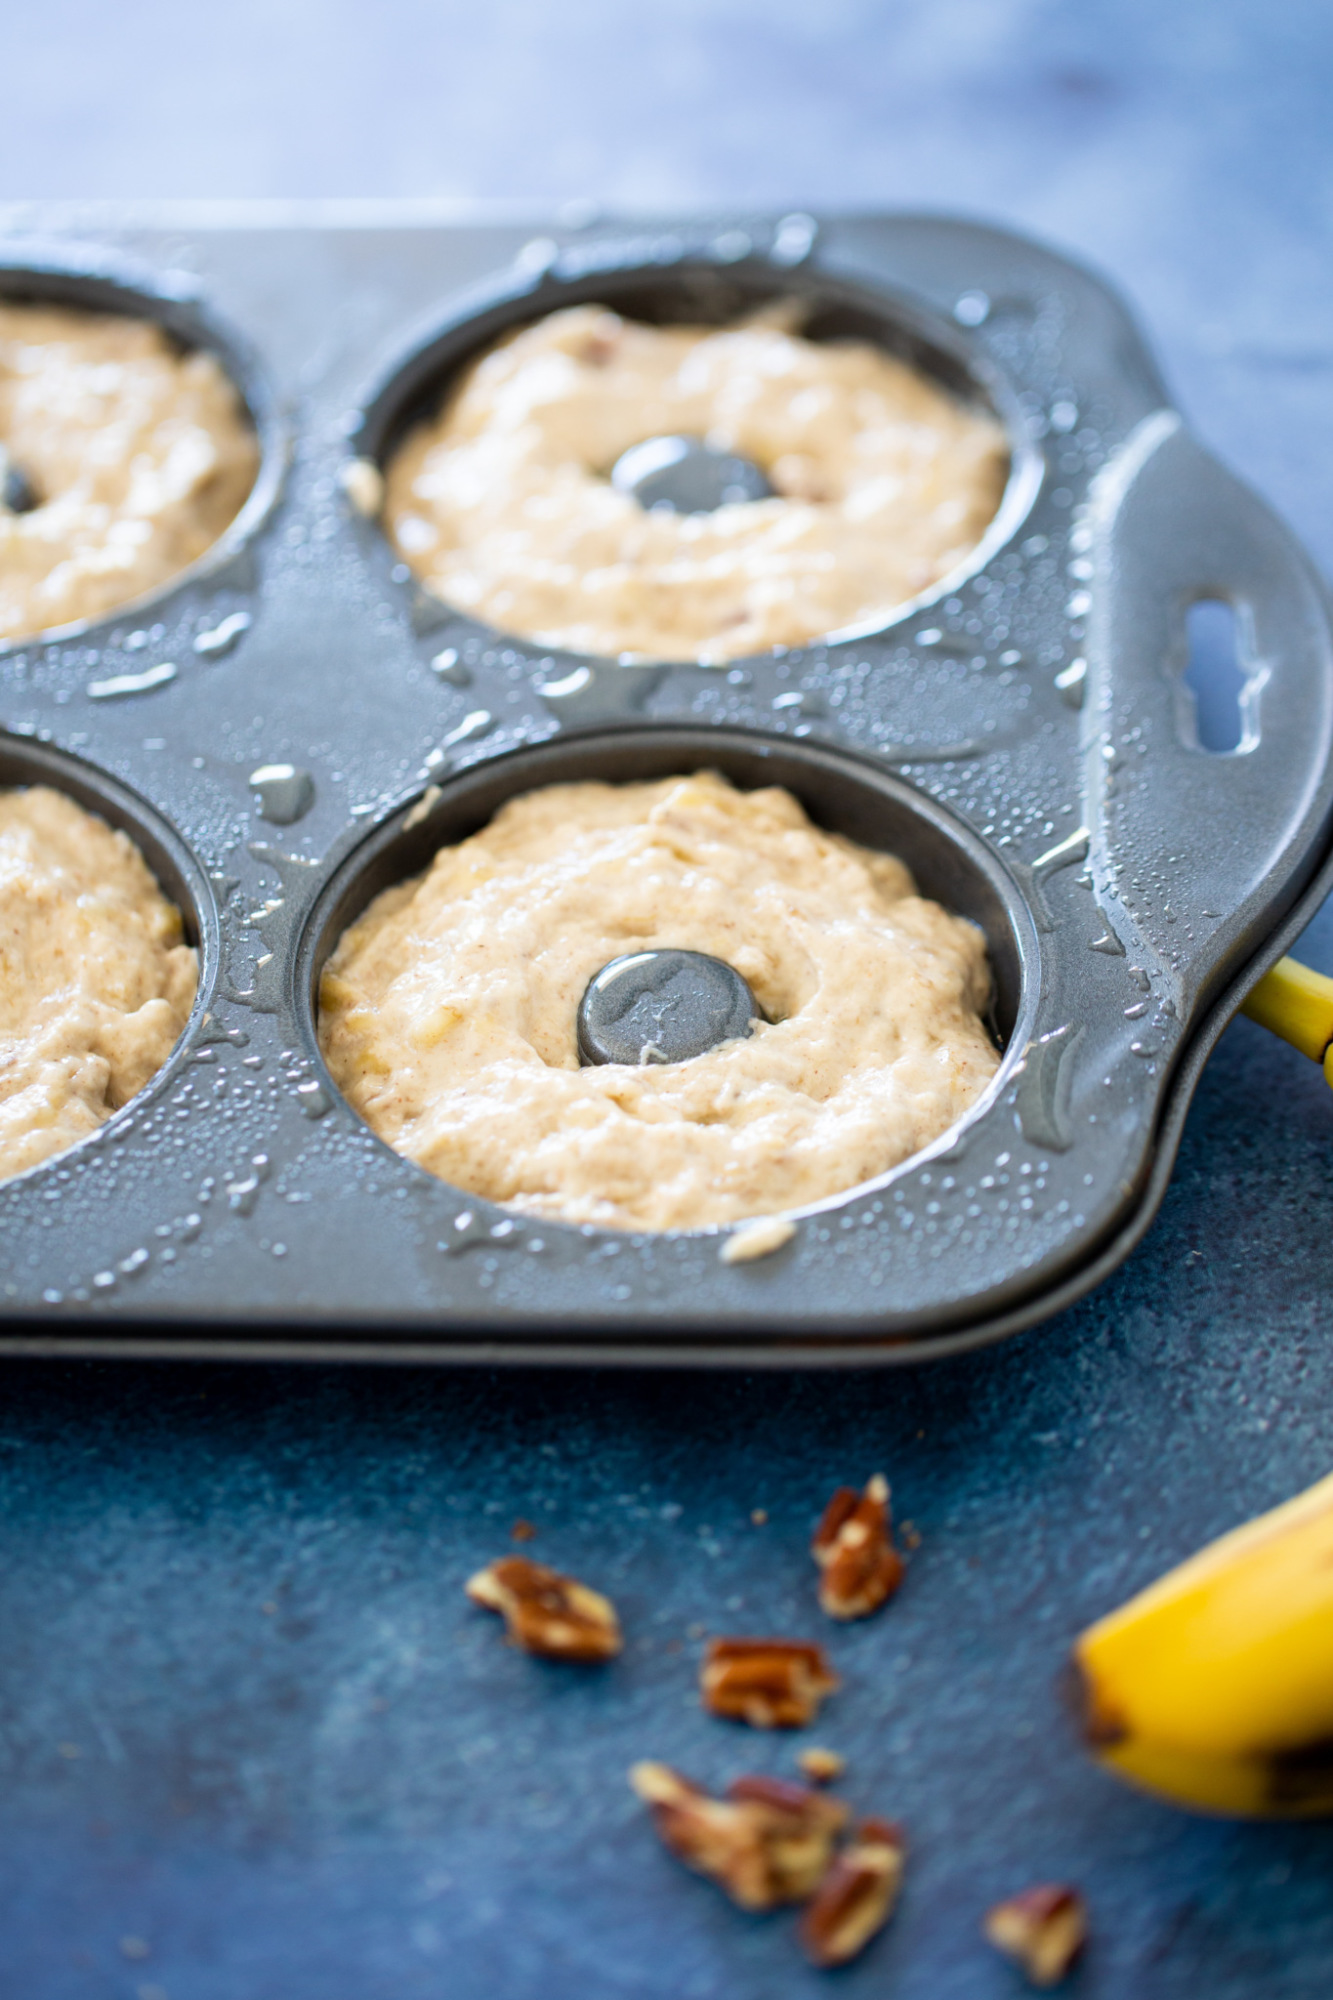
547,1613
769,1683
767,1842
853,1546
1043,1929
857,1896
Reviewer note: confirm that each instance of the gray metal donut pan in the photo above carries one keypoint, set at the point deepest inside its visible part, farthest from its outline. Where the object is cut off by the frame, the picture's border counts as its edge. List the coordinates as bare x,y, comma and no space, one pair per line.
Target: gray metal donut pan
1132,885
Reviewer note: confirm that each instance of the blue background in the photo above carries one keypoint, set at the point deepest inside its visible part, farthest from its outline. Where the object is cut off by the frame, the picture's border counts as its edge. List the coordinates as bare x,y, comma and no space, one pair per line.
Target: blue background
254,1745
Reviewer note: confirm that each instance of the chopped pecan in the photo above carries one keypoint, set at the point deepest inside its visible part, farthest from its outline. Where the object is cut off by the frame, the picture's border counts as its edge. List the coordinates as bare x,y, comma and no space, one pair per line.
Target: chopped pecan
857,1895
600,341
547,1613
821,1766
767,1842
853,1546
1043,1929
769,1683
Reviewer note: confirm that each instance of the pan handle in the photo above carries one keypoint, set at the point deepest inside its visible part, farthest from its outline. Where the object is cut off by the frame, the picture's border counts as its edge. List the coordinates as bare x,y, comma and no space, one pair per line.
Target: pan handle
1202,852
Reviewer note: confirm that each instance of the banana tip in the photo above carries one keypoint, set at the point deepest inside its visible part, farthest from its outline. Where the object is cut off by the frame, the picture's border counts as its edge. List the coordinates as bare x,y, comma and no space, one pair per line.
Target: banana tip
1096,1721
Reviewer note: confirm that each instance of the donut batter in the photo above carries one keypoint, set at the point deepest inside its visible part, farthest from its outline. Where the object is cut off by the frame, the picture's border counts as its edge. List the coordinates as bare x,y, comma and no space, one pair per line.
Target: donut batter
96,985
502,504
447,1012
137,454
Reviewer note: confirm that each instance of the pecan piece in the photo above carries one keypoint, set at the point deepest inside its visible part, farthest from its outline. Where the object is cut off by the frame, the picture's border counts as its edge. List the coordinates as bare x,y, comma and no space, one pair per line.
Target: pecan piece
853,1546
767,1842
1043,1929
821,1766
769,1683
601,341
857,1896
547,1613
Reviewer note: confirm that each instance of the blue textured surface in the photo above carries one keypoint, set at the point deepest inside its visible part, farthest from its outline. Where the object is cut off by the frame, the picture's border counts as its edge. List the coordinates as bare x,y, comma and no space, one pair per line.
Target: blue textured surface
253,1743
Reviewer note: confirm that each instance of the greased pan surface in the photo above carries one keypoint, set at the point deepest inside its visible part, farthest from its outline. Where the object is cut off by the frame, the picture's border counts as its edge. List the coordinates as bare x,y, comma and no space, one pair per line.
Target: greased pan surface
1126,879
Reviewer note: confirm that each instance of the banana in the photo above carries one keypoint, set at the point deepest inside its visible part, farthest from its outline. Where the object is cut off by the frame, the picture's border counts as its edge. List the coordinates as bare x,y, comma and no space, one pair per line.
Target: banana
1214,1687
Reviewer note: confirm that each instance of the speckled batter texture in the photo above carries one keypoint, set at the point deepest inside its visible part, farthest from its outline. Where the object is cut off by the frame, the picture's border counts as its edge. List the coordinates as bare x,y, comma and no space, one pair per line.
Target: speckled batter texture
139,455
447,1013
502,505
96,985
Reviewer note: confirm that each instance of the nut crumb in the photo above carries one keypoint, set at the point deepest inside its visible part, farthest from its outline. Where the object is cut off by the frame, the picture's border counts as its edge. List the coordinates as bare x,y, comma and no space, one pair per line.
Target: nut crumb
853,1546
1043,1929
423,808
857,1896
767,1842
546,1613
756,1239
602,341
522,1531
821,1766
363,483
769,1683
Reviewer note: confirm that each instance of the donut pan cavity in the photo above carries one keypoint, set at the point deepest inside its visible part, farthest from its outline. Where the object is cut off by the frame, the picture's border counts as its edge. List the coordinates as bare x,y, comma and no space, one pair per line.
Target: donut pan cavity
88,279
1024,737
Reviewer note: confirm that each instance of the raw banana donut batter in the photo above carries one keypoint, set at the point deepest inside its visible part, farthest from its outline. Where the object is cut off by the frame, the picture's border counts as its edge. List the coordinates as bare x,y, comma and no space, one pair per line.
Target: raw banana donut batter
122,459
882,482
96,982
447,1012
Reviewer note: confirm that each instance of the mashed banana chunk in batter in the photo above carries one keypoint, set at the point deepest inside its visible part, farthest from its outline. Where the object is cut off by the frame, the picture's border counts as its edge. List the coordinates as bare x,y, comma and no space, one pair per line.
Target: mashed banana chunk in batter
448,1011
96,982
502,504
124,457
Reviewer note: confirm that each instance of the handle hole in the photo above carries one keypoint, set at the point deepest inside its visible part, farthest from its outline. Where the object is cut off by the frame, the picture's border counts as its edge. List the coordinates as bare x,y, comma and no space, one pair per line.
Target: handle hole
1222,689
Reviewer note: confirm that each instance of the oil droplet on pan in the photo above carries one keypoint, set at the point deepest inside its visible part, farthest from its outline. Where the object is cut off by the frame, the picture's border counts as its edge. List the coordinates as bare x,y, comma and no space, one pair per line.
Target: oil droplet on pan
123,684
449,667
286,793
213,645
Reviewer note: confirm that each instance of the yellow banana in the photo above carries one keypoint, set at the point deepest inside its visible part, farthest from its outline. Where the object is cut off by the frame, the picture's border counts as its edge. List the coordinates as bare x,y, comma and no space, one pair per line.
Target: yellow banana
1296,1003
1214,1687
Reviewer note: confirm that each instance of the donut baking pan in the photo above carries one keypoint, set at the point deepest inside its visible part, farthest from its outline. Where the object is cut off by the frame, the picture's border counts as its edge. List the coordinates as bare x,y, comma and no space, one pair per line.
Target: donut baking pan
293,725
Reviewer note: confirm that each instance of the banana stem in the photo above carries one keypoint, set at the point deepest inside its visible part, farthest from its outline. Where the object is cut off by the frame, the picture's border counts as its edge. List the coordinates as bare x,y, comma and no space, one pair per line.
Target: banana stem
1297,1004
